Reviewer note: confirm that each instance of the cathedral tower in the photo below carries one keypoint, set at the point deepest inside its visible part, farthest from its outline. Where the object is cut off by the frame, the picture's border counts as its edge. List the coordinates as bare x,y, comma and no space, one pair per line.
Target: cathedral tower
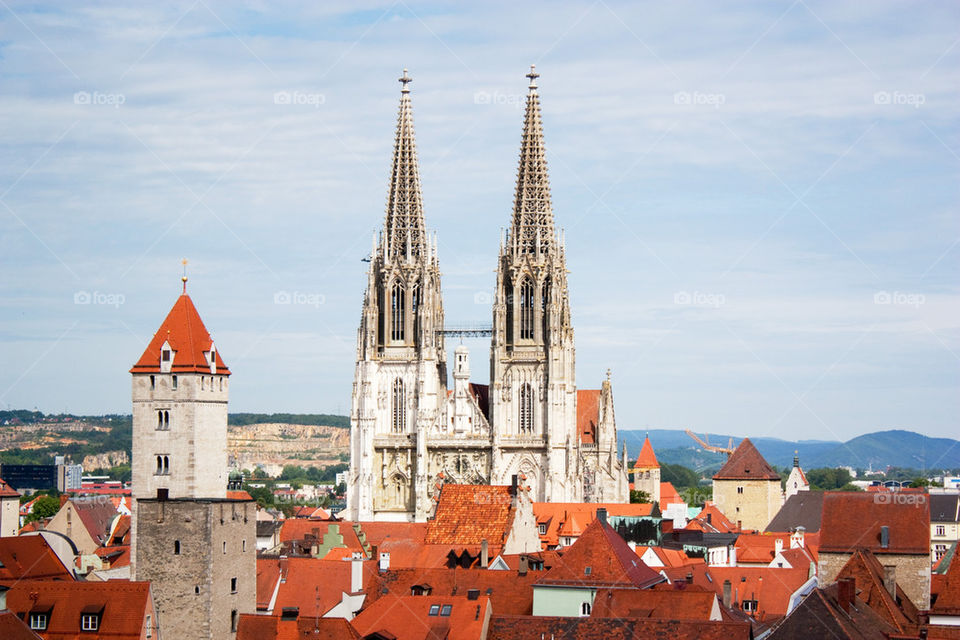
533,396
400,376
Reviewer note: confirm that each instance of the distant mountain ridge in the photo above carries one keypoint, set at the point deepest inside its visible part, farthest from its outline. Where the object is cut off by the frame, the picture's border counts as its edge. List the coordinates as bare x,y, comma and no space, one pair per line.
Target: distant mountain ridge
895,448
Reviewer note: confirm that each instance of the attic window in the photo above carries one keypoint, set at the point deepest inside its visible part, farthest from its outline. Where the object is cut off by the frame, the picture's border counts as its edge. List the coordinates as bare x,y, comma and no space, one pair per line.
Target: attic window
587,570
165,355
38,621
90,621
543,529
445,610
434,610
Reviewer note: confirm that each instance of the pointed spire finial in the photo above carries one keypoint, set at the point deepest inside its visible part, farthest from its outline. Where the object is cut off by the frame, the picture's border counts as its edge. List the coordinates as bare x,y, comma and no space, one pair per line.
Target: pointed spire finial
184,277
405,79
533,75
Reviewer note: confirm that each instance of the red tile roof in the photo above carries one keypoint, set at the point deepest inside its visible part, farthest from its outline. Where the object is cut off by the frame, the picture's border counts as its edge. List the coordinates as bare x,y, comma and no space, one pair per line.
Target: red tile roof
30,557
408,617
867,573
600,557
13,628
672,604
711,520
541,627
669,557
668,495
855,519
761,548
468,514
122,604
746,463
555,516
260,627
97,515
509,592
588,414
188,338
313,586
647,458
948,599
6,491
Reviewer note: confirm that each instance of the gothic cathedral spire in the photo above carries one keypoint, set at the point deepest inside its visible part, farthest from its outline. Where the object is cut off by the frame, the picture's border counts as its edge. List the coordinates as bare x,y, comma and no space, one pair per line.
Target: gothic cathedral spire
400,375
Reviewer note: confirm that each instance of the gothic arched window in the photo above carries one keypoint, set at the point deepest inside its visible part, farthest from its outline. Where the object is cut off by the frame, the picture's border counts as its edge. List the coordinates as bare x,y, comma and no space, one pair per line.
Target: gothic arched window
526,408
415,302
399,418
526,309
544,301
508,298
397,311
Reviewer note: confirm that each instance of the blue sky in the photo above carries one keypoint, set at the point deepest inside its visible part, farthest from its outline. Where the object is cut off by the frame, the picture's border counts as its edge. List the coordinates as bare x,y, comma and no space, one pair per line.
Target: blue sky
760,199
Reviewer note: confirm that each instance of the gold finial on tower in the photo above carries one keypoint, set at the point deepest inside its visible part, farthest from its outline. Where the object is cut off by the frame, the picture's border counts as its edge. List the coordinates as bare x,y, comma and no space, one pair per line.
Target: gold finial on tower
184,277
533,75
405,79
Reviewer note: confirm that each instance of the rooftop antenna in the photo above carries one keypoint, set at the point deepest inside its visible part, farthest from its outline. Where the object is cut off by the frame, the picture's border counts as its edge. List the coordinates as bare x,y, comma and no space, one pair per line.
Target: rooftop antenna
184,277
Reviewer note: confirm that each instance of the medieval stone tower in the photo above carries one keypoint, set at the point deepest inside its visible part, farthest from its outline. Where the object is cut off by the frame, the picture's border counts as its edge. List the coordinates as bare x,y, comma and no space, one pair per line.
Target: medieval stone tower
193,541
410,434
400,374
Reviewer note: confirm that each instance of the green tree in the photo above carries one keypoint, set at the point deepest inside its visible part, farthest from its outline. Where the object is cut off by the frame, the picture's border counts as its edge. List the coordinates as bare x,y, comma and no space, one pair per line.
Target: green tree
44,507
639,497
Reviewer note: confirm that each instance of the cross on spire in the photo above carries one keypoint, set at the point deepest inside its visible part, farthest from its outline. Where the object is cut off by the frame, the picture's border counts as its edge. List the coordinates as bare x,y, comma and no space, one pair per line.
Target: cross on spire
533,75
405,79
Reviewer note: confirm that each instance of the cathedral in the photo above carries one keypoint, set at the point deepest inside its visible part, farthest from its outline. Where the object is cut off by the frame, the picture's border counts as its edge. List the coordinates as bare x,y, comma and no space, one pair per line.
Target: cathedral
411,431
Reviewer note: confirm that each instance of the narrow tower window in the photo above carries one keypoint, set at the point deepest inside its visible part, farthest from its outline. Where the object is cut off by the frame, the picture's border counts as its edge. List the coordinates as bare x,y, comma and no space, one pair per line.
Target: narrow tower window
526,409
526,310
544,316
397,310
399,410
415,309
508,299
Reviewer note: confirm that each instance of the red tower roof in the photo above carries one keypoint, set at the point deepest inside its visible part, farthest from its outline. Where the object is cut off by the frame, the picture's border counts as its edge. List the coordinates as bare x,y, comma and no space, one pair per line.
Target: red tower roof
188,338
746,463
647,459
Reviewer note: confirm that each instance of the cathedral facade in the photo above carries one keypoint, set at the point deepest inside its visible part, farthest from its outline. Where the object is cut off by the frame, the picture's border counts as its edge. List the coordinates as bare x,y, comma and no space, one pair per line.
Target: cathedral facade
411,429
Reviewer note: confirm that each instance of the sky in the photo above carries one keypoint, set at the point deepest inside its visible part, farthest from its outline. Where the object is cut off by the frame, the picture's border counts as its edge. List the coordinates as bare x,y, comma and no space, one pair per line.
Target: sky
760,199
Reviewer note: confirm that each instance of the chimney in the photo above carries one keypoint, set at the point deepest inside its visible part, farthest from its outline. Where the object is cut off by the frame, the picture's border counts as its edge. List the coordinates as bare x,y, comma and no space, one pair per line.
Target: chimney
356,572
384,561
846,590
689,577
602,515
777,545
733,556
523,565
890,579
484,554
284,566
884,537
290,613
726,593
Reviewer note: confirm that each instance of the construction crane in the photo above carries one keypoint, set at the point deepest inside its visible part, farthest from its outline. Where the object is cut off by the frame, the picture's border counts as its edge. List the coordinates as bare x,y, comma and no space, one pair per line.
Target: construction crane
709,447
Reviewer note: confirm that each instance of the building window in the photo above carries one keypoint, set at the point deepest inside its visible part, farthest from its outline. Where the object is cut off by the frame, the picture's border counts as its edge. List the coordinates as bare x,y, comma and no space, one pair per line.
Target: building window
233,585
243,546
399,408
163,420
543,529
203,383
445,610
526,409
941,530
739,489
174,382
159,470
397,311
224,546
434,610
149,624
90,622
415,299
233,621
749,606
221,383
165,355
176,547
526,309
585,609
939,550
38,621
153,382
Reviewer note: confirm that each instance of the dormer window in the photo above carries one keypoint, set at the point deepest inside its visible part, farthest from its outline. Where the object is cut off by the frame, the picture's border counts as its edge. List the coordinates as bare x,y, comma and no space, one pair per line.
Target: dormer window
38,620
90,621
167,356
